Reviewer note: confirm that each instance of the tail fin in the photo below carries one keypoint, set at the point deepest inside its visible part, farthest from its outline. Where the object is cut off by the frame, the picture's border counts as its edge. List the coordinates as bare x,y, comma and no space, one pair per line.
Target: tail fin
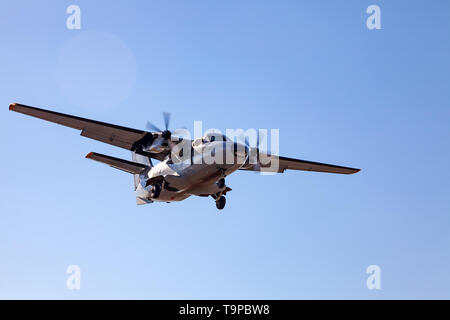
142,160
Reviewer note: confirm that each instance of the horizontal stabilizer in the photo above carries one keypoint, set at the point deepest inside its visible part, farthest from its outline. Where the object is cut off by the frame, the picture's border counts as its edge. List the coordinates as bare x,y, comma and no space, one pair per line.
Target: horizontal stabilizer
125,165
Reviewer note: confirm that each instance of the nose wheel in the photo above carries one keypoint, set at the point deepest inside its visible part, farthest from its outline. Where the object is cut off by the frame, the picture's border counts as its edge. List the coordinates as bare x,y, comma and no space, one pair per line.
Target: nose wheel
220,202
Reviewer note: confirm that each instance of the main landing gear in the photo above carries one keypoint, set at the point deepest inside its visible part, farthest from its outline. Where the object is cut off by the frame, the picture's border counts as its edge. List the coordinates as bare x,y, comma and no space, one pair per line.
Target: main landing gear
155,191
220,196
220,199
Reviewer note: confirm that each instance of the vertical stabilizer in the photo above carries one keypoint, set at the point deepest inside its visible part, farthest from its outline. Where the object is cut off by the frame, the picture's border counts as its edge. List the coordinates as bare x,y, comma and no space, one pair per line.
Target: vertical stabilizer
143,160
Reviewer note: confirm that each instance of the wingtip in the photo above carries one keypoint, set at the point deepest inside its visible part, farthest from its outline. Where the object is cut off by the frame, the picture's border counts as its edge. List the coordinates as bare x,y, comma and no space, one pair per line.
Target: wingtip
12,106
89,155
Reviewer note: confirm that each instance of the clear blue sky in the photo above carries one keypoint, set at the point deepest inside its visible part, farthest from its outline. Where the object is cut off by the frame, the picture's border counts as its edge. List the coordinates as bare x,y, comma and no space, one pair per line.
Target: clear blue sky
338,92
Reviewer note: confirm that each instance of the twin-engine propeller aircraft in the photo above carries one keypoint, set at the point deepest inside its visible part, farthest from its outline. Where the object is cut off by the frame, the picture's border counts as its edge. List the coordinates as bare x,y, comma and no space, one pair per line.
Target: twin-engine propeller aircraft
180,173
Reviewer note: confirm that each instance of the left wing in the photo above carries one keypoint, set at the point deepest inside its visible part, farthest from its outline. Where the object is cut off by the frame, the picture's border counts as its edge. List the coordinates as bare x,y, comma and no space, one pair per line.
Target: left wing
123,137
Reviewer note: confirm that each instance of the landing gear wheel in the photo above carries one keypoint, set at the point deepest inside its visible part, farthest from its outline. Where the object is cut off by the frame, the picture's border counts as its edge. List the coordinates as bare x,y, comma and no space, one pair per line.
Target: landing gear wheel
156,190
221,183
220,203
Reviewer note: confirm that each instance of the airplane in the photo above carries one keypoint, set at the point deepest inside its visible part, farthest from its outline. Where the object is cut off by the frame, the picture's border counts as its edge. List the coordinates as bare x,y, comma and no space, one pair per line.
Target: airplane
172,179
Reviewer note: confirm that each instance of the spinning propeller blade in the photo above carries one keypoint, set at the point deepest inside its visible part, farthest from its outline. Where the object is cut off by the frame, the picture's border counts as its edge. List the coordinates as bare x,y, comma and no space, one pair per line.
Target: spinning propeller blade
166,116
165,139
150,126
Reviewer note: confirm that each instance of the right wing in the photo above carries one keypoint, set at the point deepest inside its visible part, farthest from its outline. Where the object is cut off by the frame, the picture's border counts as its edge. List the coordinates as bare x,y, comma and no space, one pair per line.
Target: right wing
124,165
123,137
280,164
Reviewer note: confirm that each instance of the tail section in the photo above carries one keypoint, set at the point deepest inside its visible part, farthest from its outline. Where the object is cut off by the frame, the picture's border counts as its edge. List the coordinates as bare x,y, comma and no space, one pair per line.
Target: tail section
139,168
143,160
142,194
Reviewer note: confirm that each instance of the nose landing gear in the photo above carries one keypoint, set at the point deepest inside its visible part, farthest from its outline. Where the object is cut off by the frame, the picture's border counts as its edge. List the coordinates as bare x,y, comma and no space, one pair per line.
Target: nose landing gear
220,202
221,183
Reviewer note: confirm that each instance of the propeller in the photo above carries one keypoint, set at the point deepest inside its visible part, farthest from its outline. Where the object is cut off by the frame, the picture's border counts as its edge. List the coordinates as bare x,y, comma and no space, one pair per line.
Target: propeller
166,116
253,152
166,134
150,126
